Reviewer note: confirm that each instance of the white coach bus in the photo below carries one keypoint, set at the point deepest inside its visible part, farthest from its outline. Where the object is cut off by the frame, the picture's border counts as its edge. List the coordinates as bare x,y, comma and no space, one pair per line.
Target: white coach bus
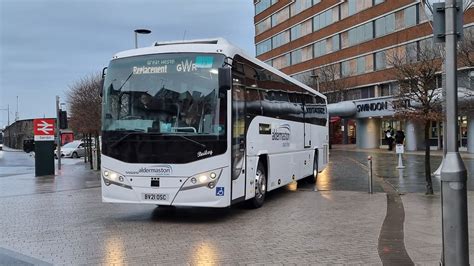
199,123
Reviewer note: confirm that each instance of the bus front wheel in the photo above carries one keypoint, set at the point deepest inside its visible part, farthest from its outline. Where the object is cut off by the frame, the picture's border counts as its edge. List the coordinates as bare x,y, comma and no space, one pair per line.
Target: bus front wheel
314,177
260,186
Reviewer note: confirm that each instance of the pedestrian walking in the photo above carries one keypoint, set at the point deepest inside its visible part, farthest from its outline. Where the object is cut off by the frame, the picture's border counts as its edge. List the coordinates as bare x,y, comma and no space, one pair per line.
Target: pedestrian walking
389,134
399,137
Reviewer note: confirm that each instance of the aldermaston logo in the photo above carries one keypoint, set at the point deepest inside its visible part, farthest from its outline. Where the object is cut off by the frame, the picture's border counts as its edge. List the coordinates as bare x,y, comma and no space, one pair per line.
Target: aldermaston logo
159,170
281,133
204,153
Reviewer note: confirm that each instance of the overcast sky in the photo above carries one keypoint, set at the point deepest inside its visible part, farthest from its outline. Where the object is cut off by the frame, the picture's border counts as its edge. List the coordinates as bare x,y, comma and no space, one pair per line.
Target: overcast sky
47,45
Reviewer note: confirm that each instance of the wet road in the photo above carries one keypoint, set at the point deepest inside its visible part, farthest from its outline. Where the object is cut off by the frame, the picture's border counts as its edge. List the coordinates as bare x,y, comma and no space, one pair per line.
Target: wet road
17,170
61,220
412,178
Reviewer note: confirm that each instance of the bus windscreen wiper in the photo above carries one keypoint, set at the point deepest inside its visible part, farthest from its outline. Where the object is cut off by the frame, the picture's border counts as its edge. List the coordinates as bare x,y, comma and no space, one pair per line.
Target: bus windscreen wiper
126,136
155,134
191,140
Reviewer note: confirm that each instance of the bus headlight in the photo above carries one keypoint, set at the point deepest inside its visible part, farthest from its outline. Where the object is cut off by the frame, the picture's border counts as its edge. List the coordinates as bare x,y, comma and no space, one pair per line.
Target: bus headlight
208,179
113,178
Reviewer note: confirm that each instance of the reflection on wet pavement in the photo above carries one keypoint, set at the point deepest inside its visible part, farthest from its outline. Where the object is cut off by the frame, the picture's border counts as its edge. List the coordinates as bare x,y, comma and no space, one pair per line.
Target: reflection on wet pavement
17,176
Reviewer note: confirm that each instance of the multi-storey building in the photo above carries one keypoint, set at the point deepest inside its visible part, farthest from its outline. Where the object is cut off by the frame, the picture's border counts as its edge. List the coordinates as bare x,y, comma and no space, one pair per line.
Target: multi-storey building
353,39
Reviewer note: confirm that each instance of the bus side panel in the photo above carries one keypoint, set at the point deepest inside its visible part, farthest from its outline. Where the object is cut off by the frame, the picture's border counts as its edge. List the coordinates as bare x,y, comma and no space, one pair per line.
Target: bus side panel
320,138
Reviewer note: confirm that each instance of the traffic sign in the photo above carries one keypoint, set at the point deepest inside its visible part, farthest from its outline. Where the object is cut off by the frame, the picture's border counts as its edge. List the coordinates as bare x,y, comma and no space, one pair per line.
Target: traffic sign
44,129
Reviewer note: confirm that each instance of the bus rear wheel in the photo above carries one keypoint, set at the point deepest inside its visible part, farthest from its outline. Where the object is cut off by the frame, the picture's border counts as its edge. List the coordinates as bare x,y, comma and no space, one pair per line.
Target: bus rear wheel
260,186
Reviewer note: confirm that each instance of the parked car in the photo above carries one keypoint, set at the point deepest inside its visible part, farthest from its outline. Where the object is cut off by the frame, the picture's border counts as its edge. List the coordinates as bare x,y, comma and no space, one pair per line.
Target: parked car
73,149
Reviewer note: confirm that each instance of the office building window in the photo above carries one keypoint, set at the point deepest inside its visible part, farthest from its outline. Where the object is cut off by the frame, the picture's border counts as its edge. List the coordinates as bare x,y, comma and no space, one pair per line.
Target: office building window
264,47
322,20
376,2
380,60
269,62
385,25
282,61
360,65
263,26
320,48
299,5
281,39
361,34
281,16
410,16
263,4
296,57
296,32
307,53
336,42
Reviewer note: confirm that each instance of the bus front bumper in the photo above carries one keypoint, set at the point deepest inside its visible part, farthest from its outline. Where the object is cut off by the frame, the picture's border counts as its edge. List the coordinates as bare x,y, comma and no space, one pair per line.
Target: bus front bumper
175,191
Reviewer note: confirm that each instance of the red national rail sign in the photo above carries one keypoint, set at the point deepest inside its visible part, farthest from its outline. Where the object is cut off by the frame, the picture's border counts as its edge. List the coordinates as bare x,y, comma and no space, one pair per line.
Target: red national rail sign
44,129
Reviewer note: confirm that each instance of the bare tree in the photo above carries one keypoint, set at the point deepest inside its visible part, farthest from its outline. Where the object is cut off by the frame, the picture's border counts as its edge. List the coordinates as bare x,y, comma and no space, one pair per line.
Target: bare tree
85,107
330,82
416,72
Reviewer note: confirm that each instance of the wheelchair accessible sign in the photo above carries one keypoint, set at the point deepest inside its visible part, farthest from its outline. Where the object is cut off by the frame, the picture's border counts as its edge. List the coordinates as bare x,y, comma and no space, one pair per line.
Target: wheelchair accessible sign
220,191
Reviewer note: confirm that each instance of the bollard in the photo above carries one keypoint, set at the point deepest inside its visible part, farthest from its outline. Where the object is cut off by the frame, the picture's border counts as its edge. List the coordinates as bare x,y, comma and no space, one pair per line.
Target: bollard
400,150
370,174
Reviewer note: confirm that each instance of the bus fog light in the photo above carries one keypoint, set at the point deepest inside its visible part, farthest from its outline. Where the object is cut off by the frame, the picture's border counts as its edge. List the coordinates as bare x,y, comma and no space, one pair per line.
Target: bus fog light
213,175
120,178
193,180
211,185
106,173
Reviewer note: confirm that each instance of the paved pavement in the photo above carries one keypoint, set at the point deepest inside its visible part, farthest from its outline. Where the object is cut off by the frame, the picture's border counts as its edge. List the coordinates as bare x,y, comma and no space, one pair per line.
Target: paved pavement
423,227
61,220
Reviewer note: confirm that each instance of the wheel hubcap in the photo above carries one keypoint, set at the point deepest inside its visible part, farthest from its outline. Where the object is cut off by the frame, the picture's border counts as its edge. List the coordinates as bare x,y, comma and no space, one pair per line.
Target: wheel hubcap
260,184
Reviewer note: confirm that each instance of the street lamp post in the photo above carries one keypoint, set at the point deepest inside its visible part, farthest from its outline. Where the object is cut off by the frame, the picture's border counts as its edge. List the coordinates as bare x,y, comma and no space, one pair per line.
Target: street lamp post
453,171
140,31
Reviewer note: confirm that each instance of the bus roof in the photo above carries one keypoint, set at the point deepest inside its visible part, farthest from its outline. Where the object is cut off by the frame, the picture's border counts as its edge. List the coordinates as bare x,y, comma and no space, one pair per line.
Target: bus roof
213,45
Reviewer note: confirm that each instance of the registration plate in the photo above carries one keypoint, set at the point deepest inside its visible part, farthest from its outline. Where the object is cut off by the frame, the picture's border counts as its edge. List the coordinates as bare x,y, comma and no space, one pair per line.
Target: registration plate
155,196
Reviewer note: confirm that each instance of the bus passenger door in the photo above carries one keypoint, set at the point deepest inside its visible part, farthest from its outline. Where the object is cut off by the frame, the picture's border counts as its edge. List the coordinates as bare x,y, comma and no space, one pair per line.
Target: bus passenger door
238,141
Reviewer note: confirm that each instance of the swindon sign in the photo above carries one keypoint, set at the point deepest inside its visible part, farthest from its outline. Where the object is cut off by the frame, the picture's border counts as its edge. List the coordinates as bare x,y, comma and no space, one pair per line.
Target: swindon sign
44,129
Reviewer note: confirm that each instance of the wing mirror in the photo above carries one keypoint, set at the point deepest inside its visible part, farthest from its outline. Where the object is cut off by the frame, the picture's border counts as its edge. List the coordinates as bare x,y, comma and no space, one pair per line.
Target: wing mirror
225,78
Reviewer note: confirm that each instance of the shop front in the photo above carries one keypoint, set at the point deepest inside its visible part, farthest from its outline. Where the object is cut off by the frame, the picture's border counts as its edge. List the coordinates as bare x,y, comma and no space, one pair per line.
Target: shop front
367,120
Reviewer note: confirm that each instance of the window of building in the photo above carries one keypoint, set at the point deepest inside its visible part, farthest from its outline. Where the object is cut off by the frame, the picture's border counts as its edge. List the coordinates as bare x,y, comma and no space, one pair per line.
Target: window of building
410,16
336,42
263,26
360,65
376,2
320,48
361,33
281,39
411,52
282,61
367,92
269,62
322,20
385,25
380,60
307,53
296,32
353,94
299,5
385,90
264,47
281,16
296,57
262,5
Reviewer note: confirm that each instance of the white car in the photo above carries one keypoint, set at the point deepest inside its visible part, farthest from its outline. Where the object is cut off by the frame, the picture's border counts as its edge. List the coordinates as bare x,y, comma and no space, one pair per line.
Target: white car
73,149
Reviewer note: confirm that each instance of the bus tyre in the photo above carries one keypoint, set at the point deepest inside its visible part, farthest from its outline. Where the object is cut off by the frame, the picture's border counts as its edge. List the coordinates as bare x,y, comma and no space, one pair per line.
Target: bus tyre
260,186
314,177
